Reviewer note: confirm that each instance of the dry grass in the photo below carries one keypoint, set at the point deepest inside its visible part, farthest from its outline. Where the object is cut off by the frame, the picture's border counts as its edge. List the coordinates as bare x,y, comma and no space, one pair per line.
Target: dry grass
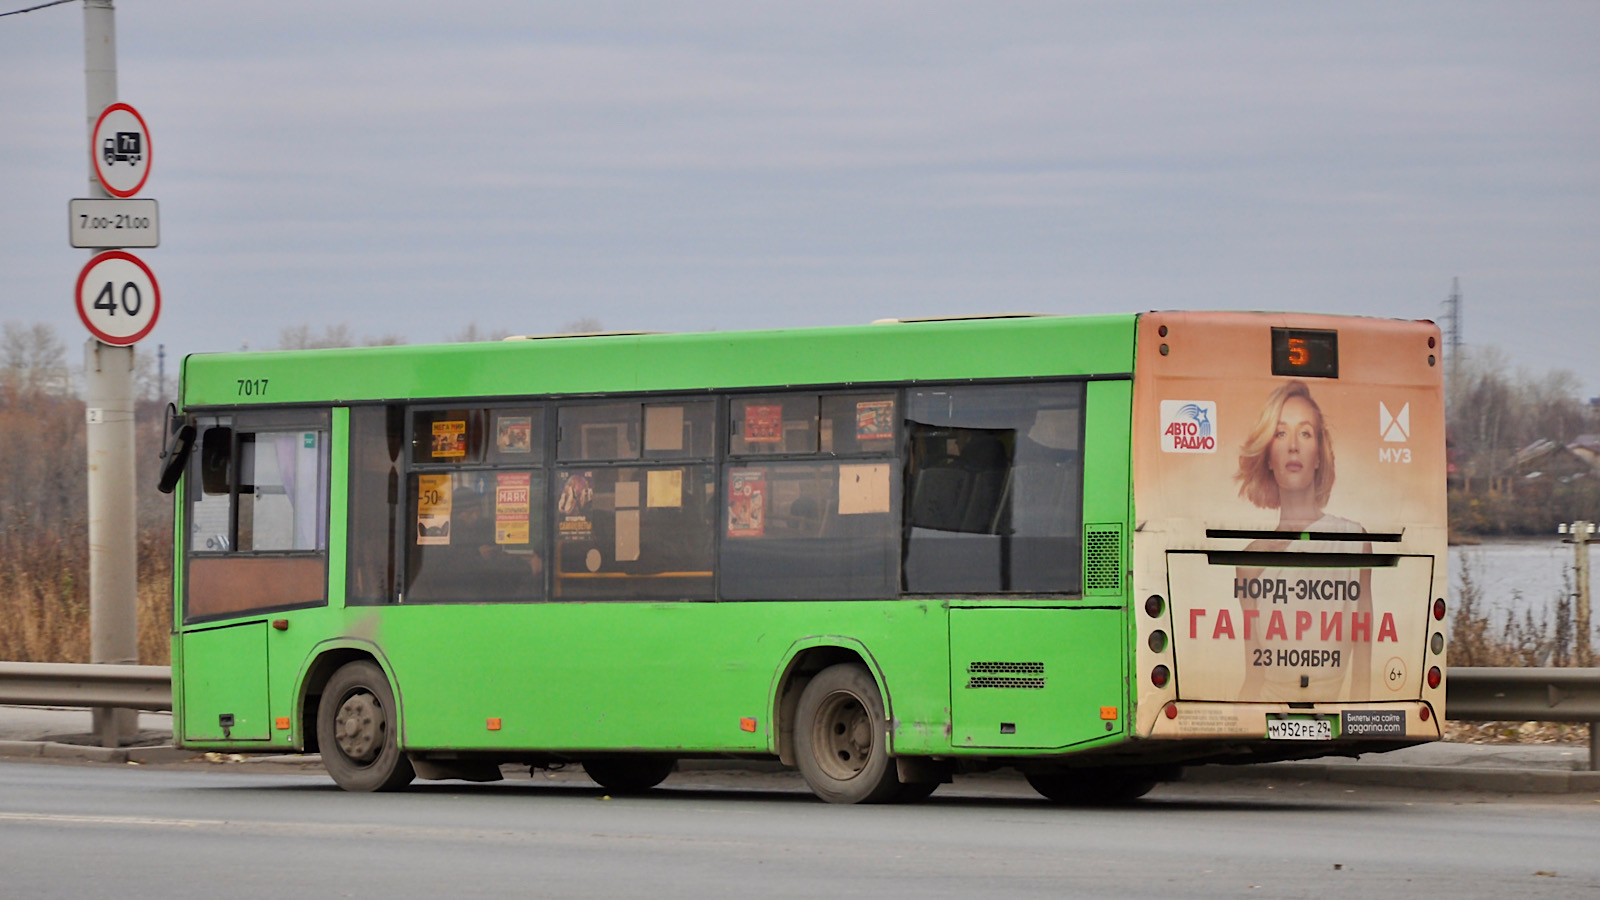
44,596
1548,639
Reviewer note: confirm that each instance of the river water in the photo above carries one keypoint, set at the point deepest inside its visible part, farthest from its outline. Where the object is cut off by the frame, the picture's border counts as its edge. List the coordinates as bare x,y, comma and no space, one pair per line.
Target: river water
1514,575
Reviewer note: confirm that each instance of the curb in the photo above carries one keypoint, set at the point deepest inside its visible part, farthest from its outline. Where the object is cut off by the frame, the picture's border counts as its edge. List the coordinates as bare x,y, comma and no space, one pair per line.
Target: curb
1481,779
57,750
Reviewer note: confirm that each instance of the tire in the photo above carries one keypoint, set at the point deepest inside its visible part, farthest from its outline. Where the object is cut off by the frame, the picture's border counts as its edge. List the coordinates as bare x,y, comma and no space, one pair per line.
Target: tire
841,738
1094,787
916,791
630,775
356,731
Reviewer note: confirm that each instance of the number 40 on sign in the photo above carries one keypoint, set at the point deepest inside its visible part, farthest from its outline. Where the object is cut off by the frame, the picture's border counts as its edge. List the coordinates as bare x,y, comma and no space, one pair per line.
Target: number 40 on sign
118,298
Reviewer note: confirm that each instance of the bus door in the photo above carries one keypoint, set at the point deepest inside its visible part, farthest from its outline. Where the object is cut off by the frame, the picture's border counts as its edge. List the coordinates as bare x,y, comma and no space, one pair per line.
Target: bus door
256,544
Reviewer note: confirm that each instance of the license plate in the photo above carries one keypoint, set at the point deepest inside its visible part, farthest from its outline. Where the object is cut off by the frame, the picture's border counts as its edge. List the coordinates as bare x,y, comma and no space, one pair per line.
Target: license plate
1300,729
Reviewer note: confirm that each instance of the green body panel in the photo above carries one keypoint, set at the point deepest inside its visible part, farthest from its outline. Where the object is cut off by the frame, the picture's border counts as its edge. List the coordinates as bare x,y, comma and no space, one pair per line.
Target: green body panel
1035,678
1107,452
226,675
679,676
664,676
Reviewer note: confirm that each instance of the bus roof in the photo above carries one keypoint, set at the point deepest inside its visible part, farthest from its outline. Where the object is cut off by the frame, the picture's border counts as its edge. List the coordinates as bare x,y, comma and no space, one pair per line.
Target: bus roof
951,350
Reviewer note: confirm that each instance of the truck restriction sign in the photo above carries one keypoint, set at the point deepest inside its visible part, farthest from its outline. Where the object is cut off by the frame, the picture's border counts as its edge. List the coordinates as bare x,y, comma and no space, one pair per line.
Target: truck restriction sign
121,150
118,298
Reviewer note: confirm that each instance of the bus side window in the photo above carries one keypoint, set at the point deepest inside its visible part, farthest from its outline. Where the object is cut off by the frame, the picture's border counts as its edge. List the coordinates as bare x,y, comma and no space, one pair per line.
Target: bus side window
811,530
784,423
594,432
257,528
376,513
216,455
996,489
634,532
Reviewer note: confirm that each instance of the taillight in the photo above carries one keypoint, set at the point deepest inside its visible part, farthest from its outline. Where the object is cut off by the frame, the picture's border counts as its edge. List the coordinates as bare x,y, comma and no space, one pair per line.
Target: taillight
1437,643
1159,676
1438,609
1154,606
1434,677
1171,710
1424,713
1158,641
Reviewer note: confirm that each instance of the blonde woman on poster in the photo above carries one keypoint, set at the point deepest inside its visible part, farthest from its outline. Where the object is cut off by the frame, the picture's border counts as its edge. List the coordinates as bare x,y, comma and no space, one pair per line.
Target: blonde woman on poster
1287,463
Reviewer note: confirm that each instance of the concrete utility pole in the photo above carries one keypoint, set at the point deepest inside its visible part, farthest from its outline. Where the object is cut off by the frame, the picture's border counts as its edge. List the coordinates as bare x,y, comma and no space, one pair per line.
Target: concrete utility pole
108,371
1582,535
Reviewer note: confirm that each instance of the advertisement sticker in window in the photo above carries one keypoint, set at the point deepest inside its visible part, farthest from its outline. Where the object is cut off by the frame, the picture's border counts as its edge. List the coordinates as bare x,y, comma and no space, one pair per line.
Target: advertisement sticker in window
763,424
875,420
450,439
511,507
747,502
433,510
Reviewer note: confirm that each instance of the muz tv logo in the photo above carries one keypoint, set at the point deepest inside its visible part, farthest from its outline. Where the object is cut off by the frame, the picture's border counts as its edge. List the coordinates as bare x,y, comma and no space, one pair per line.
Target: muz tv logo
1394,428
1188,426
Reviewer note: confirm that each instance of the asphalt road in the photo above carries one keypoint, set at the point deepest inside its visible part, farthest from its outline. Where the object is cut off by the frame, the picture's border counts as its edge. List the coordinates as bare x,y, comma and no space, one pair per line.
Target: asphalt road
257,831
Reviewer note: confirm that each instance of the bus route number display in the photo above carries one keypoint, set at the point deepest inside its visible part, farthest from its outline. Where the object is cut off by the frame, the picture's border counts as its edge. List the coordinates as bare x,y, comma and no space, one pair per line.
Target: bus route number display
1306,352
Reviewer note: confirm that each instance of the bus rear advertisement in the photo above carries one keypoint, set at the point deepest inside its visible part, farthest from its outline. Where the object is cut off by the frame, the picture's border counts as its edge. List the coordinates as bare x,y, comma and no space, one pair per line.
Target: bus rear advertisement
1300,553
1093,549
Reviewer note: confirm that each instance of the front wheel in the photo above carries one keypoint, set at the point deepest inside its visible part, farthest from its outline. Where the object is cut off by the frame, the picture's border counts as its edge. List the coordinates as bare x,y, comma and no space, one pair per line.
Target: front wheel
356,731
841,738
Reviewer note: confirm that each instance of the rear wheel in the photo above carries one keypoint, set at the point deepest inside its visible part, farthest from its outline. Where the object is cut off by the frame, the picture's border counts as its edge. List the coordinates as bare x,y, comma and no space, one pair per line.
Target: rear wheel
1094,787
356,731
841,738
916,791
629,776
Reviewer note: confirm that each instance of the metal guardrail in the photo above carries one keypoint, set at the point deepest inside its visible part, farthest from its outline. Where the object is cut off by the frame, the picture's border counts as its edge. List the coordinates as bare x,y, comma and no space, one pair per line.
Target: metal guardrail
79,684
1523,695
1474,694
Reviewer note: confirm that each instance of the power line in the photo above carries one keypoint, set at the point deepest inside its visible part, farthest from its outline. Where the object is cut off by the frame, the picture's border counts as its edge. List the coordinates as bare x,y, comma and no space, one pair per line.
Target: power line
18,12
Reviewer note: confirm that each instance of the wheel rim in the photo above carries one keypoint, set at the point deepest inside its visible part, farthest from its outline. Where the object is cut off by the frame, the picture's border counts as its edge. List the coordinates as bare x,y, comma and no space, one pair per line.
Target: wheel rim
359,727
842,731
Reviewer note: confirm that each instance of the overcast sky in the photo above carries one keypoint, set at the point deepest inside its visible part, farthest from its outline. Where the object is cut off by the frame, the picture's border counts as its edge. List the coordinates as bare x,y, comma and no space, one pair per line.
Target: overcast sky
414,168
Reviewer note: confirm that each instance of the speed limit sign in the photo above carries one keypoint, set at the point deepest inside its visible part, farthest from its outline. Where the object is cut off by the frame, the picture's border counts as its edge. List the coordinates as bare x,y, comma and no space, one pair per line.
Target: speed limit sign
118,298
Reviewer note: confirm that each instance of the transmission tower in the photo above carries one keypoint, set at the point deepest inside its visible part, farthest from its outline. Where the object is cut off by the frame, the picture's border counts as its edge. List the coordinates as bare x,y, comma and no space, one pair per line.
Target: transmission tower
1452,321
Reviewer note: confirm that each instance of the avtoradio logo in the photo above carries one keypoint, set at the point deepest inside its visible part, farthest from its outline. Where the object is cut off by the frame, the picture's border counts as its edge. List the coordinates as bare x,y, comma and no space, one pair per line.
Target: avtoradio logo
1188,426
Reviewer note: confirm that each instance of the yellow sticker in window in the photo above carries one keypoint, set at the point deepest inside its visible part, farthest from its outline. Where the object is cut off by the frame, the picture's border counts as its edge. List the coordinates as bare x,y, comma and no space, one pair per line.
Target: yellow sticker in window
450,439
511,507
433,510
664,488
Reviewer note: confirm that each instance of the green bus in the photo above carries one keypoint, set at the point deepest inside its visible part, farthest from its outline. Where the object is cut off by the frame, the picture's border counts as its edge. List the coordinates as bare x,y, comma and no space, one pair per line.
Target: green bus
1094,549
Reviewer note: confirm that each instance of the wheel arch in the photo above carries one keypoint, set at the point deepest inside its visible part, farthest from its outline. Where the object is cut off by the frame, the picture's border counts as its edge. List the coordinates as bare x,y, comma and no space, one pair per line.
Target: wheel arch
325,659
804,659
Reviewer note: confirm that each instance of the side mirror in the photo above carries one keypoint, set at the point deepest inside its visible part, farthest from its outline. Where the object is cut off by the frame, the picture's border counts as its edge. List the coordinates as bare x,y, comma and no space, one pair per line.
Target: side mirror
176,444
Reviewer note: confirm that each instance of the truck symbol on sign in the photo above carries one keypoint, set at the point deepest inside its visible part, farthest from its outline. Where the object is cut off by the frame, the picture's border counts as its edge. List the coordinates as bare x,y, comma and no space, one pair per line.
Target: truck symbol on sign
127,146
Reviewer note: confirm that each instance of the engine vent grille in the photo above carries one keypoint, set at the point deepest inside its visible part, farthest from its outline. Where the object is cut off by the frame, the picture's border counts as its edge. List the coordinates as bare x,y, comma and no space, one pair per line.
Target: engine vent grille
1002,674
1102,559
991,681
1005,668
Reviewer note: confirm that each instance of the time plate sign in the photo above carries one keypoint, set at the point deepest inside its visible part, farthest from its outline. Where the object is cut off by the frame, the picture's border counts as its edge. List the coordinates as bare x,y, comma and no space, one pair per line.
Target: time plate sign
97,224
118,298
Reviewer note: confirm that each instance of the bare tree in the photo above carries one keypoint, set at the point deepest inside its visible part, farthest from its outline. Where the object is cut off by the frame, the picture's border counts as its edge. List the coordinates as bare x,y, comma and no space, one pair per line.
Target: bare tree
33,360
302,337
584,325
472,334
